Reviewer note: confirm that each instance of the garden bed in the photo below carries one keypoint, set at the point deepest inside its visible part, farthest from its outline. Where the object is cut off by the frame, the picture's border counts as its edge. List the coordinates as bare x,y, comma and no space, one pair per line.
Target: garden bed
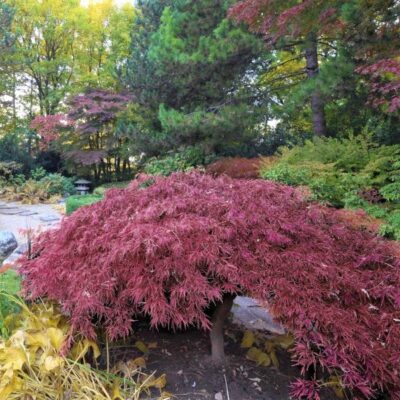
184,358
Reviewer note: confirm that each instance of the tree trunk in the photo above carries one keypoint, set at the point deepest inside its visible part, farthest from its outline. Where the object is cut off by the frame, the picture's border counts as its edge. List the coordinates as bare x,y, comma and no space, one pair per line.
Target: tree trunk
317,103
217,330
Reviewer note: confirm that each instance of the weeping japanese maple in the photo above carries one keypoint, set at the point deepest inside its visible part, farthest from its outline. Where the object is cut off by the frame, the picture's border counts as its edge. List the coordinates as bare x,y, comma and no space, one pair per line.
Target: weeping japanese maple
170,247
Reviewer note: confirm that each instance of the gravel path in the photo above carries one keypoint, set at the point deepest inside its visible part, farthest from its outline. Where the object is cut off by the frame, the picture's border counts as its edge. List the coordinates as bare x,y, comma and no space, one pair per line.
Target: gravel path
16,218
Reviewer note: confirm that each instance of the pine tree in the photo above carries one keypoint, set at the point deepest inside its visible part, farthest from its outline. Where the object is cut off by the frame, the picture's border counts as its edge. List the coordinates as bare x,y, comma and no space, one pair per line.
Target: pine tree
190,65
331,35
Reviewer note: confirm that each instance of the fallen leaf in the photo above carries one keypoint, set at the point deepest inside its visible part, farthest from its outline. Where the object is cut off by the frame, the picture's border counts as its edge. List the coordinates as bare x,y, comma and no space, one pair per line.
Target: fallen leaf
141,346
248,340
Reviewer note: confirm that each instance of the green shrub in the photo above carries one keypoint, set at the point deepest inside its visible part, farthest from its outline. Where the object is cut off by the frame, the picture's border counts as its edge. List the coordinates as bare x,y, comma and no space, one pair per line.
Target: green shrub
182,161
340,171
391,228
347,155
326,183
9,286
101,190
8,169
38,173
285,173
75,202
58,184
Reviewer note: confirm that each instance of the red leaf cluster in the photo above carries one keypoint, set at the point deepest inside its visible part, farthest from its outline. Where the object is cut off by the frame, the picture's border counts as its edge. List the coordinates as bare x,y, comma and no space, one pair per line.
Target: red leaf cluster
48,127
359,219
372,195
96,108
385,83
236,167
277,18
168,247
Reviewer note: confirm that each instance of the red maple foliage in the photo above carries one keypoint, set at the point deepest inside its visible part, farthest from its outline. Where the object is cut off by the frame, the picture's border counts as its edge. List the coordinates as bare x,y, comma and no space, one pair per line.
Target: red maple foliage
168,247
359,219
385,83
236,167
280,18
49,127
93,114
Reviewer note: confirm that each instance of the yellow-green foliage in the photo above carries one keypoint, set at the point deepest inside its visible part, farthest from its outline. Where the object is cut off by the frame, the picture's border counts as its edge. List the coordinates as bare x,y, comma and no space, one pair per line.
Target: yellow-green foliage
262,350
77,201
29,192
9,285
338,170
35,365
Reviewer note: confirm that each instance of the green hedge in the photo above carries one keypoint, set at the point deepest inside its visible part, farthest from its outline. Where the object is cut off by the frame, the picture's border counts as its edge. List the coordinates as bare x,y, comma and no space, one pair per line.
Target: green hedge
350,173
75,202
100,190
10,284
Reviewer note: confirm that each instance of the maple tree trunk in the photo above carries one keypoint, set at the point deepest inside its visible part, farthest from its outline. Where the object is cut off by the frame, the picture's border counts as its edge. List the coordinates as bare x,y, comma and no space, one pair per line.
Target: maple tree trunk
217,330
317,103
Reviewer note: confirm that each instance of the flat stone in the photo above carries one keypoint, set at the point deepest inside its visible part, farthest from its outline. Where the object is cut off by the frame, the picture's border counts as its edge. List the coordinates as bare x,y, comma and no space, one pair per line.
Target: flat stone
49,218
8,243
27,213
11,211
247,312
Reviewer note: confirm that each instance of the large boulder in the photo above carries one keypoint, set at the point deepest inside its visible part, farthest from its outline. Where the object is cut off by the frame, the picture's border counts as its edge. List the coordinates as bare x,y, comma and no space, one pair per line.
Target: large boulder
8,243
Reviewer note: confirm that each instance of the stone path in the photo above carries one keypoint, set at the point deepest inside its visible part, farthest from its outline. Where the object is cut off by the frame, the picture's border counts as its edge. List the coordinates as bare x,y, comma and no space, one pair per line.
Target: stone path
17,218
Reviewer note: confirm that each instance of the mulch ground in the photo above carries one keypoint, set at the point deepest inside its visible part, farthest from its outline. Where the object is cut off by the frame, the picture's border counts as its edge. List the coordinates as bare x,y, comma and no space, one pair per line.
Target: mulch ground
184,358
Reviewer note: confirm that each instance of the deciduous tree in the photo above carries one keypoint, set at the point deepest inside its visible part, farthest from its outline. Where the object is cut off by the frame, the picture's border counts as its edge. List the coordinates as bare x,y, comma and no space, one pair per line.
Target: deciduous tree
169,248
334,37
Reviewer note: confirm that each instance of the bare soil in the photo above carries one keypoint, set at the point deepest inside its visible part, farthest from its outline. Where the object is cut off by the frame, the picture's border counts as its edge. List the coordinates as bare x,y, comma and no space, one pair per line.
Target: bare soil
184,358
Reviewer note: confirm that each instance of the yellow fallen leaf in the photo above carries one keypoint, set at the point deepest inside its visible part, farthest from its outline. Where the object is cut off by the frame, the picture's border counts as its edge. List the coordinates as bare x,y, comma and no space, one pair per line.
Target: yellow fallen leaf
158,383
12,358
129,368
37,340
56,337
81,348
13,386
269,346
336,384
152,345
248,340
258,356
51,363
274,359
116,392
141,346
139,362
284,341
166,396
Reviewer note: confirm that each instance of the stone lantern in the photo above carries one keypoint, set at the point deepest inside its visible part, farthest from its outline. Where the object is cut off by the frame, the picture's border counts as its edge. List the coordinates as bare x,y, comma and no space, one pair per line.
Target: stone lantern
82,186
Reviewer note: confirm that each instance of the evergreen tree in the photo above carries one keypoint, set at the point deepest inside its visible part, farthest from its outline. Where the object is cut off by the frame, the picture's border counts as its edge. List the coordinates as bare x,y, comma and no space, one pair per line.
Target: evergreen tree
195,70
320,44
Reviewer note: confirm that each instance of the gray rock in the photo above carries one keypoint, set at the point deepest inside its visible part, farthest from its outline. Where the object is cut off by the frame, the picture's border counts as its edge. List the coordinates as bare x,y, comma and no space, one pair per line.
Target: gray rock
247,312
8,243
16,254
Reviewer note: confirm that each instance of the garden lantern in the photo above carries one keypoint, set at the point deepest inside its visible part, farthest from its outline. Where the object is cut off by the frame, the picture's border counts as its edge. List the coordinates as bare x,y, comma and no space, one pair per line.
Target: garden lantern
82,186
